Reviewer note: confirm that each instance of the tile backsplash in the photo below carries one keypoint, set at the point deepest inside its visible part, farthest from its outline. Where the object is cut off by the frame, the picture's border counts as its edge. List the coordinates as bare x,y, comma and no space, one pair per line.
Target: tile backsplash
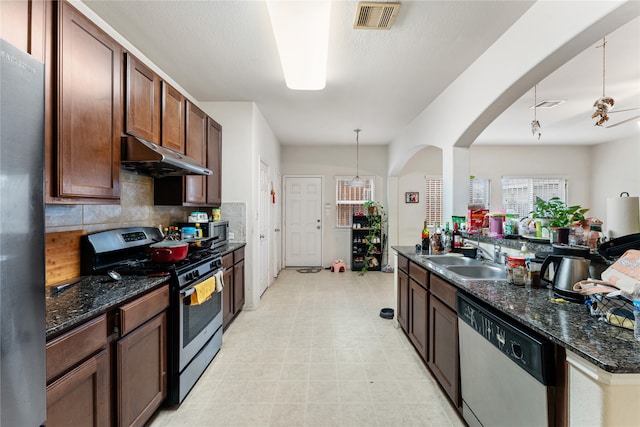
135,209
236,214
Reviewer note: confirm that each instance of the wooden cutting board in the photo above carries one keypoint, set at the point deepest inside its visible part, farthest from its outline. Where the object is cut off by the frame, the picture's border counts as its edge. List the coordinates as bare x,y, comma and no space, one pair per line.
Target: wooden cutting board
62,255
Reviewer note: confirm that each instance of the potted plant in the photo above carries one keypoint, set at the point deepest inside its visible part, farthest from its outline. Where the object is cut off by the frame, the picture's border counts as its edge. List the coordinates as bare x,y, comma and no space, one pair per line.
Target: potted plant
376,219
557,212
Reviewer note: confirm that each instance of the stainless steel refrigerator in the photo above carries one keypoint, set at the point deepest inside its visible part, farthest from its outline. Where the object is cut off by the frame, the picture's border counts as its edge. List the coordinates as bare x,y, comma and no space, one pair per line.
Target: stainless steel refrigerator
22,289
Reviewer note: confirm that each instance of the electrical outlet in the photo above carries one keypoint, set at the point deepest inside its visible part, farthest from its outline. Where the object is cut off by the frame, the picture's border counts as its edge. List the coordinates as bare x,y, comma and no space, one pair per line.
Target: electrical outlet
231,236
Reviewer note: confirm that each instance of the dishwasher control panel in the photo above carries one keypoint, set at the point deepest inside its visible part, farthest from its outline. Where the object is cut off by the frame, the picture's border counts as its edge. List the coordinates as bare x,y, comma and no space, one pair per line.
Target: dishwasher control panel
529,350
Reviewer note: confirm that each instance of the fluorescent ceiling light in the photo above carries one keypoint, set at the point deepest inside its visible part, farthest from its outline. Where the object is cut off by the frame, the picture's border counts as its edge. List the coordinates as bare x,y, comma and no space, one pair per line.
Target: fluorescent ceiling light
301,29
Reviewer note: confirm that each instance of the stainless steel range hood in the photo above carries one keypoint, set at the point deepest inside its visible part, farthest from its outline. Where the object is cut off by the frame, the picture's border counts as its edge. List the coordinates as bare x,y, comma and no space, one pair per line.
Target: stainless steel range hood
147,158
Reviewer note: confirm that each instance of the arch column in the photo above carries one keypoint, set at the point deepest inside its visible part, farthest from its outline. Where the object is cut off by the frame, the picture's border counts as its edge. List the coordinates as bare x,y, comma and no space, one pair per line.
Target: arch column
455,181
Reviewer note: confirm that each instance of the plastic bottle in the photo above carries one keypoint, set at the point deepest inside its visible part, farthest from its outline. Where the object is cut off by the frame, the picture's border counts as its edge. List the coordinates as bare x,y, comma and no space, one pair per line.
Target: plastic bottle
425,238
636,315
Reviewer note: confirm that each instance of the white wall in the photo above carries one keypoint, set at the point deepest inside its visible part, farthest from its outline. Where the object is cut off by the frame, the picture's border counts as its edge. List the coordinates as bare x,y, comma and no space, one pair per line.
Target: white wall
615,168
427,161
570,162
246,139
329,162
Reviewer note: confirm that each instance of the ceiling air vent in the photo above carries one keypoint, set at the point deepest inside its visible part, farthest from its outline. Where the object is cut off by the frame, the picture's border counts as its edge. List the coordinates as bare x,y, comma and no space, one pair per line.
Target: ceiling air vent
548,103
375,16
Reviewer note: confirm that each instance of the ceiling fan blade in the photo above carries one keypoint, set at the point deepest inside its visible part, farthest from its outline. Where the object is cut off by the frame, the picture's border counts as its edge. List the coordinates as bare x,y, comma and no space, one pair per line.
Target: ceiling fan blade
624,121
621,111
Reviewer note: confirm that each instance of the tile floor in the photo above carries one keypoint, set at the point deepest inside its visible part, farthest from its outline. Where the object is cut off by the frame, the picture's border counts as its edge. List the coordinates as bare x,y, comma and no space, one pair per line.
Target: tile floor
316,353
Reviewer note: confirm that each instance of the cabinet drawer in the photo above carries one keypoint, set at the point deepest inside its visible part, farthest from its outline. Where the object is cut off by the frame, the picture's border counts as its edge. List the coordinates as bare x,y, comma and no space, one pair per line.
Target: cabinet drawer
443,290
227,260
238,255
419,274
403,264
73,347
142,309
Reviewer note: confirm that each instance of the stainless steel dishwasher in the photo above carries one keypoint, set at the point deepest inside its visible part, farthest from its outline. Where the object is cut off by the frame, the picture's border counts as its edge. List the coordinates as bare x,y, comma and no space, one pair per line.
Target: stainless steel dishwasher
506,370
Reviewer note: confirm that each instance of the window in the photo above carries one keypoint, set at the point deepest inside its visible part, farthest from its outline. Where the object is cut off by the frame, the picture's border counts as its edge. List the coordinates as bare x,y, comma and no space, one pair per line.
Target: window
350,200
479,192
519,194
433,199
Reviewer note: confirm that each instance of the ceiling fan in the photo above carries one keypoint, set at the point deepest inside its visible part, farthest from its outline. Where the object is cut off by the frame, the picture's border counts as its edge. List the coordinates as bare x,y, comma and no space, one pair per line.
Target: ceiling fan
625,120
604,105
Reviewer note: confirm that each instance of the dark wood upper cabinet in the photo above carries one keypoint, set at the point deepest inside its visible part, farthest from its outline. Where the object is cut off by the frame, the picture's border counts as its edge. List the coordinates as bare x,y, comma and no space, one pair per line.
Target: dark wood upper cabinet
142,102
22,23
196,148
214,162
173,121
89,101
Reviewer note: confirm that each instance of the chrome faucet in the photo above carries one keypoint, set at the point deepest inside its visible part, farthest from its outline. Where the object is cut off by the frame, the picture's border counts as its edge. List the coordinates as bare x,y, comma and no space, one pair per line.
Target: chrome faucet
497,257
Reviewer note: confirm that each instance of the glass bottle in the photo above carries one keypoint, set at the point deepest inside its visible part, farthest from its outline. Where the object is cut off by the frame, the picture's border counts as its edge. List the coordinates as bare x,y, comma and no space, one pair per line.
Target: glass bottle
425,238
457,237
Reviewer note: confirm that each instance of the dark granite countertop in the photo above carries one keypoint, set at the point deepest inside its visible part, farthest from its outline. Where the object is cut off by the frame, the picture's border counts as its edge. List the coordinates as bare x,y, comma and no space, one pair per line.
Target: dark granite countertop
569,325
97,294
91,296
230,247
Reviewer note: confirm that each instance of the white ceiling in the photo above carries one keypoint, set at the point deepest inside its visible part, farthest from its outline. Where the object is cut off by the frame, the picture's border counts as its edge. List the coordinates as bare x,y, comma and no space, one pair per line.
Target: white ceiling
377,80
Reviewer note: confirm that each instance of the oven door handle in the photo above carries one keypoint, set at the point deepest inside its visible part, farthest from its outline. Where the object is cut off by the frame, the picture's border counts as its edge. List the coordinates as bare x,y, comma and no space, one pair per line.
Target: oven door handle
190,290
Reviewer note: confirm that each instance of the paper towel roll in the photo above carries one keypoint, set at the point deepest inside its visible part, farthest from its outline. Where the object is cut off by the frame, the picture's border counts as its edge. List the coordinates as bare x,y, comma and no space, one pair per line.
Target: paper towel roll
623,216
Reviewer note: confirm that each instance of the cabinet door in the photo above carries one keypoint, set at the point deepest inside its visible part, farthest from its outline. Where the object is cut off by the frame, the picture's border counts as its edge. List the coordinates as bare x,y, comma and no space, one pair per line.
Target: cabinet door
227,297
81,397
89,109
196,145
142,372
173,109
238,286
22,23
418,317
443,348
142,101
403,300
214,162
15,23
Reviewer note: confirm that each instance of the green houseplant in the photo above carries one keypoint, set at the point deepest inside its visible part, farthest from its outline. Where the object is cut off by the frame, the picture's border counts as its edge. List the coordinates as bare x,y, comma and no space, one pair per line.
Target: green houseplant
376,220
557,211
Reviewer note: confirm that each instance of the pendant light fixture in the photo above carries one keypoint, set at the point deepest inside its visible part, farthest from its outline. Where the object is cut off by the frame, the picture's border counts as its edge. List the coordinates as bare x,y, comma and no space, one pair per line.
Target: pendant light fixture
357,182
535,124
604,104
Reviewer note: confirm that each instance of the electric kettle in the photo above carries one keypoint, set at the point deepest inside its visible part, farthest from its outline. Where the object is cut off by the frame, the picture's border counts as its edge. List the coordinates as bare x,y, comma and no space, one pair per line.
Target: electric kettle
568,270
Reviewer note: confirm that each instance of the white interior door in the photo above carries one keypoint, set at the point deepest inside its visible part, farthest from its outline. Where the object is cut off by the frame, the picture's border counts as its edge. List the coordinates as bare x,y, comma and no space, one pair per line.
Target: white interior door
303,221
264,224
276,221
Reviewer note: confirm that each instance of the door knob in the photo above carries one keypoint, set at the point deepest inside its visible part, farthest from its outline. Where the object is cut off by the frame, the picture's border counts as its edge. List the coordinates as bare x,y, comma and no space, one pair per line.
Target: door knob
262,236
318,227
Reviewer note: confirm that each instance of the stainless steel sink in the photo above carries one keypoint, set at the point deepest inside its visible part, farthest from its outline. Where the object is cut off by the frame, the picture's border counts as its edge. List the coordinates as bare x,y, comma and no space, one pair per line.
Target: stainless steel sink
446,260
479,272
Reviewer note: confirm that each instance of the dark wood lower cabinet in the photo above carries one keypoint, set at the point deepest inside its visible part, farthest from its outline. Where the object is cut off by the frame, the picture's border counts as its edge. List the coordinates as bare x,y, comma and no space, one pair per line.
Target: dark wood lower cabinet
233,291
402,313
142,371
81,397
443,348
418,319
238,286
227,291
110,370
428,316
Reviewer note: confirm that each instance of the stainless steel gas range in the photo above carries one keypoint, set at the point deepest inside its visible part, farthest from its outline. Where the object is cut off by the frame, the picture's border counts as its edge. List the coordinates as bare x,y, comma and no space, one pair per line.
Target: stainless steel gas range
195,331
